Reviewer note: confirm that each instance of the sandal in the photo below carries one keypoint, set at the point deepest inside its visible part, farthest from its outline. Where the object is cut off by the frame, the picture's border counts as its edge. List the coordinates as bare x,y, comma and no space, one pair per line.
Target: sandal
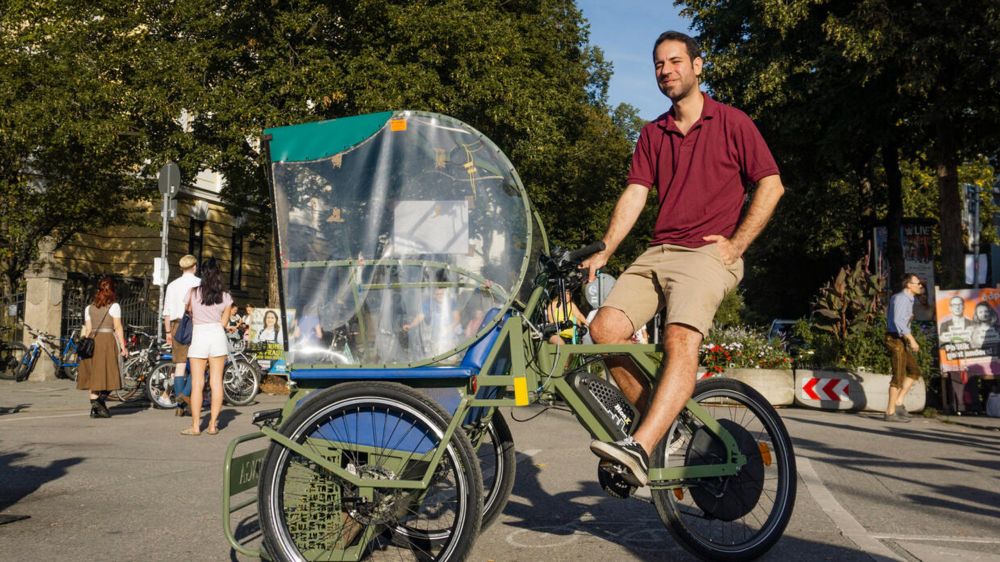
212,430
190,431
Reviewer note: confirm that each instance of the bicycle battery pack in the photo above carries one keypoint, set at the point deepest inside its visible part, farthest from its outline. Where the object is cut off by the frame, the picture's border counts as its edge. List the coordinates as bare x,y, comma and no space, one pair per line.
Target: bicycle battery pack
615,413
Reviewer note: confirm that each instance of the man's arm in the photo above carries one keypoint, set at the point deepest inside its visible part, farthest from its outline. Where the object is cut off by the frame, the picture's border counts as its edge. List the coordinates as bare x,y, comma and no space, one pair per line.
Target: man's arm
765,198
627,211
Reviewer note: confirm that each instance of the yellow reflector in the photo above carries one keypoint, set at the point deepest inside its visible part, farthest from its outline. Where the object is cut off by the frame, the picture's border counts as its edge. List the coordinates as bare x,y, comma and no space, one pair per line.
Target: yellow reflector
397,124
765,452
521,391
679,494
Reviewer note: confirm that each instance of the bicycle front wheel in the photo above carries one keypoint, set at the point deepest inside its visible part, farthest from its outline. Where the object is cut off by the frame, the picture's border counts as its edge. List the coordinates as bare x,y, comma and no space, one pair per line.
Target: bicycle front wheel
737,517
10,359
240,384
377,431
132,378
26,364
70,364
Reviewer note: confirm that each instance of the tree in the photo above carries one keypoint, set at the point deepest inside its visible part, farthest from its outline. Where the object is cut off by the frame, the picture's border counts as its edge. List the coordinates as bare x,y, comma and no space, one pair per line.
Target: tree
71,155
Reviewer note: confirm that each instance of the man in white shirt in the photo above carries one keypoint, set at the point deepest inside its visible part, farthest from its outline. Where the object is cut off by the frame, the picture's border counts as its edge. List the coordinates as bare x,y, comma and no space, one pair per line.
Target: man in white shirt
174,303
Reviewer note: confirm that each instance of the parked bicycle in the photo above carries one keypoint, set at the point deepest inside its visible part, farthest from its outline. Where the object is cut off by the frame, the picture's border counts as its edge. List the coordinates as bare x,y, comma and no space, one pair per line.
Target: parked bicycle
11,354
62,352
144,356
240,380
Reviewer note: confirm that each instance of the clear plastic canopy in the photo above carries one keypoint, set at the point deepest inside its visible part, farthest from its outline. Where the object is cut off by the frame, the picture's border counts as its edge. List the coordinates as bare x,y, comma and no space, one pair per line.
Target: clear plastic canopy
396,233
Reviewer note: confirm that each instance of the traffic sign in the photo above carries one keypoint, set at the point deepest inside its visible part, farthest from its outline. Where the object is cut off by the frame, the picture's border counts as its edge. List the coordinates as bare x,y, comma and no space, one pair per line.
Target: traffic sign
170,179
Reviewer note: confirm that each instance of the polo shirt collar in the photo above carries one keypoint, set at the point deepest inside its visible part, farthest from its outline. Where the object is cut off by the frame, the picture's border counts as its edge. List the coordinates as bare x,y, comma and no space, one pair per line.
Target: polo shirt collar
709,110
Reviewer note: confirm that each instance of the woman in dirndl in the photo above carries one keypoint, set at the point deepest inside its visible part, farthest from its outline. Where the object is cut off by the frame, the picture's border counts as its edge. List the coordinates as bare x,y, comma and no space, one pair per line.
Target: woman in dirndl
101,373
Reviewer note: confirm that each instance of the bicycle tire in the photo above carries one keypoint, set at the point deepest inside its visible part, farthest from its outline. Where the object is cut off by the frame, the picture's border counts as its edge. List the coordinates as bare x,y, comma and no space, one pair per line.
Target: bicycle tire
738,517
240,383
26,365
132,378
10,359
70,365
158,381
303,508
498,463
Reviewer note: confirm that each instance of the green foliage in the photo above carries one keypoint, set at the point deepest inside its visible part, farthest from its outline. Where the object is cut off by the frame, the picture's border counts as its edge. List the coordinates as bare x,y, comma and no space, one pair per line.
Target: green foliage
852,299
730,311
741,347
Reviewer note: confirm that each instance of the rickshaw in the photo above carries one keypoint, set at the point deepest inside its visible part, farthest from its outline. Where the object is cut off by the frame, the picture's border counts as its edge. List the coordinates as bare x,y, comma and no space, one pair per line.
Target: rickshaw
414,275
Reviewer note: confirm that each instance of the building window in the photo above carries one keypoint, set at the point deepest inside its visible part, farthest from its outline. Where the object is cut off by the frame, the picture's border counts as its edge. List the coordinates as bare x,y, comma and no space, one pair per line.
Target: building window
196,239
236,273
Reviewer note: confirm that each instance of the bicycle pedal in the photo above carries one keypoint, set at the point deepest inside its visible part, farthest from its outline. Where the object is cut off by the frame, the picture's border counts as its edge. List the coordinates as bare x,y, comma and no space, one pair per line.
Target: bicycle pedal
610,477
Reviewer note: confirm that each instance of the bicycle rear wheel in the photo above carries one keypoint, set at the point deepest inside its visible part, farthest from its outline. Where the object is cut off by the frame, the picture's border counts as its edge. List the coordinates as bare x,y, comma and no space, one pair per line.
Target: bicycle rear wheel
70,363
240,384
377,431
158,384
10,359
737,517
497,462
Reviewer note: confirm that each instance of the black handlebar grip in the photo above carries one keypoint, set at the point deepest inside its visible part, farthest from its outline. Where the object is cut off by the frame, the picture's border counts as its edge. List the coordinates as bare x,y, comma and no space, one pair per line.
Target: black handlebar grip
586,251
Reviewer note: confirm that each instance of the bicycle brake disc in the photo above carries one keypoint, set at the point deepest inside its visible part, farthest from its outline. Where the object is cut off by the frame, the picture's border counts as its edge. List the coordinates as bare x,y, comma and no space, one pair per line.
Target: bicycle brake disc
730,497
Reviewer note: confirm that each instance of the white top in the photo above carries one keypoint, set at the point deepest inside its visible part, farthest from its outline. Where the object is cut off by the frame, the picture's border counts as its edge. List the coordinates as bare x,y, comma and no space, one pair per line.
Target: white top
115,312
176,297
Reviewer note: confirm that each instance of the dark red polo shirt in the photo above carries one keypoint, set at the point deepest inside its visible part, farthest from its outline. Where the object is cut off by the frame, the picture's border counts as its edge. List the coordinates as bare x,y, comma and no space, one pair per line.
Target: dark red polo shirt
700,177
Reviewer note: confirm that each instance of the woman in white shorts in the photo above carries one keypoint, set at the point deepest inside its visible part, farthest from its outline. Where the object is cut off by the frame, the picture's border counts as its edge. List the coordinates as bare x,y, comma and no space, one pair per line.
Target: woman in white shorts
210,306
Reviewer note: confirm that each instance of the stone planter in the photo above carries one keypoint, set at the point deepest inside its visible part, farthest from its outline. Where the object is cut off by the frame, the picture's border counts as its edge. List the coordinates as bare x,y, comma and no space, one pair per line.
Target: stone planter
774,384
848,390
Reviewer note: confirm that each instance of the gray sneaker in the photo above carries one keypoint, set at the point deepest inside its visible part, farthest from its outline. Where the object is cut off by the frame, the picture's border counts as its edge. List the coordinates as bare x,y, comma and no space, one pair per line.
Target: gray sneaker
901,412
893,418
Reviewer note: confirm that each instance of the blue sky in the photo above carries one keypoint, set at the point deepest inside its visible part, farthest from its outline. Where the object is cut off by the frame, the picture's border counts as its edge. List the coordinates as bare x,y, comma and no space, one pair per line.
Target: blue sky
625,30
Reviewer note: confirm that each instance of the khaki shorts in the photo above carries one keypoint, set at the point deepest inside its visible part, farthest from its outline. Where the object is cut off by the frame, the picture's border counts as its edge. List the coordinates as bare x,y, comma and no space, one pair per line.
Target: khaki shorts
178,351
689,283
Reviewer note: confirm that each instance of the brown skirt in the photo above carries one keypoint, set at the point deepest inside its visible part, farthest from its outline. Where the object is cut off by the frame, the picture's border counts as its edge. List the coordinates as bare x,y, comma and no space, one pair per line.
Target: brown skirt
102,371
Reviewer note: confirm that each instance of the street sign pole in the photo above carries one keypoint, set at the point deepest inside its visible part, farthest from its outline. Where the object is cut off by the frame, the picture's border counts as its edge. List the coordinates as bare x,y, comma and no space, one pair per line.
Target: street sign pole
169,183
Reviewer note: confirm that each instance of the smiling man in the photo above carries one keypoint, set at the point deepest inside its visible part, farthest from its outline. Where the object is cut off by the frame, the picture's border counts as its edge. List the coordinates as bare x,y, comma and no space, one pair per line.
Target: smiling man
701,156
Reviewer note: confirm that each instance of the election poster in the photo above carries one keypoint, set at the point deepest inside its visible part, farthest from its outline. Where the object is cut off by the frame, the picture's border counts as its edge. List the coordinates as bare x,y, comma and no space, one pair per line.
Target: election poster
264,335
969,331
918,257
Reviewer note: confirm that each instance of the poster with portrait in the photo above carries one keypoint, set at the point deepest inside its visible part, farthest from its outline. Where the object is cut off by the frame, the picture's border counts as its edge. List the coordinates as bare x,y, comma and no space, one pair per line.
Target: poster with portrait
969,331
264,334
918,259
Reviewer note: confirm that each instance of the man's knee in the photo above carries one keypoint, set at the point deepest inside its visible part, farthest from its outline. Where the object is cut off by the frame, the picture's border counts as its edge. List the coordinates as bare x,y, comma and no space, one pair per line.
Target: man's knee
610,325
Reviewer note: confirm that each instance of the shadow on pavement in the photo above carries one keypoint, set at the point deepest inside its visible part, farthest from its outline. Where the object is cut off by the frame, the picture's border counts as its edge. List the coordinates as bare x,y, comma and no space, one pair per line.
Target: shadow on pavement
13,409
19,481
553,521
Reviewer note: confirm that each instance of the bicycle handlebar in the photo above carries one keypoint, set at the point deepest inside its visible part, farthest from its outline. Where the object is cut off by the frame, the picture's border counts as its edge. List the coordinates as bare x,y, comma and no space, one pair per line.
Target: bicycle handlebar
586,251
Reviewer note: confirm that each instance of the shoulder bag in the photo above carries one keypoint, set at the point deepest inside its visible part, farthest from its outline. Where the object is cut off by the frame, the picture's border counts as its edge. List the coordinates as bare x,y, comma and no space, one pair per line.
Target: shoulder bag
186,327
85,346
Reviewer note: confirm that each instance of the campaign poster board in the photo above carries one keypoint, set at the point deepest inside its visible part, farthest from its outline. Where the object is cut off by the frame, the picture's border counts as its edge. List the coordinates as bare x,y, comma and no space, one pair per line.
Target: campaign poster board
918,258
969,330
264,335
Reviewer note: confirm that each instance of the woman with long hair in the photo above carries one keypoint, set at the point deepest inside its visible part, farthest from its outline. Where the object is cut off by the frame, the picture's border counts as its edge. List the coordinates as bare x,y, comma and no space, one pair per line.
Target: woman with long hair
271,332
210,305
101,373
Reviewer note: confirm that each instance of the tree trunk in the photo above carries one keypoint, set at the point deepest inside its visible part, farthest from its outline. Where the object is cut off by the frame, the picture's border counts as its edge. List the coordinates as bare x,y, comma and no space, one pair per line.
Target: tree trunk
273,298
950,208
894,217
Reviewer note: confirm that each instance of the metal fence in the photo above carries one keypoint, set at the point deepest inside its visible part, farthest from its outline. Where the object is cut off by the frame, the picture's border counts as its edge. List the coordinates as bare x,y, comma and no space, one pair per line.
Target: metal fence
138,299
11,316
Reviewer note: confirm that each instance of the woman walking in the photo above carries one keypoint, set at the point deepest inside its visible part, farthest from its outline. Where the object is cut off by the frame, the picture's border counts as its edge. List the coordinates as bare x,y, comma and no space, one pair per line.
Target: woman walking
210,305
101,373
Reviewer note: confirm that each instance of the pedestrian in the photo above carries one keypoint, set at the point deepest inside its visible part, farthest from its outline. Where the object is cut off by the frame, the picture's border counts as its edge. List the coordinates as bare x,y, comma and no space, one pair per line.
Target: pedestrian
173,311
101,372
563,309
902,346
701,156
210,305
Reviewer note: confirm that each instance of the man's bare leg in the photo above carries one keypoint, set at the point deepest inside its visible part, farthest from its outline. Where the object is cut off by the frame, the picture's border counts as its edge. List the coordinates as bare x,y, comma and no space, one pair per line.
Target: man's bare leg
611,326
675,386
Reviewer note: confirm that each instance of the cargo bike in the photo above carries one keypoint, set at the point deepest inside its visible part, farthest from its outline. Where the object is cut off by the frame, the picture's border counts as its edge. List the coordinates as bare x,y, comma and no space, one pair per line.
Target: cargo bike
414,278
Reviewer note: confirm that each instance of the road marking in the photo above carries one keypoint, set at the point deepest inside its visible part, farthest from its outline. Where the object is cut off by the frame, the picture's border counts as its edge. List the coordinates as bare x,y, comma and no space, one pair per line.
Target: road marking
848,525
14,419
976,540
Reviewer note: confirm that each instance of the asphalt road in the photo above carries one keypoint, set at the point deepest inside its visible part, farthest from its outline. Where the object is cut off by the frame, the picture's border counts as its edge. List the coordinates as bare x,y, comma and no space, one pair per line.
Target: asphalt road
132,488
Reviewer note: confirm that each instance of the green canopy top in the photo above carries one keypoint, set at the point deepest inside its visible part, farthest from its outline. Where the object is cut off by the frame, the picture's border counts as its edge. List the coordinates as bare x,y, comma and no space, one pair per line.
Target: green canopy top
322,139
